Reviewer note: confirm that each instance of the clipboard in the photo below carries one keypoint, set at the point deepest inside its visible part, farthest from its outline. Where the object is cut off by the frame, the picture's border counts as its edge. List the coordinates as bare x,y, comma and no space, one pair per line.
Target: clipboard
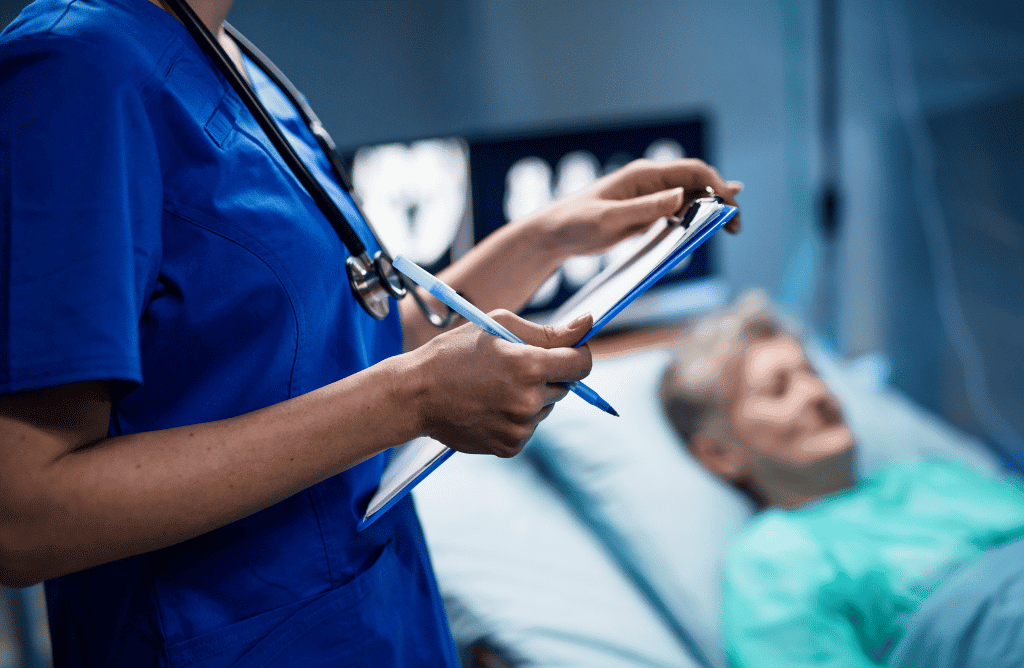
664,246
410,463
660,249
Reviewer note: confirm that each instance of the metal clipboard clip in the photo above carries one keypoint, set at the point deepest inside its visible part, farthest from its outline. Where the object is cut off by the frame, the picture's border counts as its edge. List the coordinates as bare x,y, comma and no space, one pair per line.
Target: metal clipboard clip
694,211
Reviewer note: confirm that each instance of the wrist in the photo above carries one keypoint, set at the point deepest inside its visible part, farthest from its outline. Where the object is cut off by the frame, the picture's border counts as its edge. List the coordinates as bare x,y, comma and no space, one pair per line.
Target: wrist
409,385
540,239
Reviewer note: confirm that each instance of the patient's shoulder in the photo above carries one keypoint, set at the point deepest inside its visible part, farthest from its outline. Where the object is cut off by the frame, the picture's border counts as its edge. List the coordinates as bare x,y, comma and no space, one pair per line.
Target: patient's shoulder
945,478
773,535
778,551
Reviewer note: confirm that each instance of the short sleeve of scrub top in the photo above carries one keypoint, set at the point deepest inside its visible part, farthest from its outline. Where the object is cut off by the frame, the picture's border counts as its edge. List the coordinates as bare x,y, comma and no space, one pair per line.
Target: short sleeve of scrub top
81,199
152,236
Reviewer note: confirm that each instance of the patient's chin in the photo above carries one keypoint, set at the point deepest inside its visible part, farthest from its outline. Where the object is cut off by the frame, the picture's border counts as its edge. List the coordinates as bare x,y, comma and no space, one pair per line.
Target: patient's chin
833,442
825,459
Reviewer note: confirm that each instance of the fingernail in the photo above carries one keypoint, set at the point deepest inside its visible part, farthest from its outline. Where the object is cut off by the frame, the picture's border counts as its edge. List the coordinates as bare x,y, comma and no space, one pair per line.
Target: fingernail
738,185
578,321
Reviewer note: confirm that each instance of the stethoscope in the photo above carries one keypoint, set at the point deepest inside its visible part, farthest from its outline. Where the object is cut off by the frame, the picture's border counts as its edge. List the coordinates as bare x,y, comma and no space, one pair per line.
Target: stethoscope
372,281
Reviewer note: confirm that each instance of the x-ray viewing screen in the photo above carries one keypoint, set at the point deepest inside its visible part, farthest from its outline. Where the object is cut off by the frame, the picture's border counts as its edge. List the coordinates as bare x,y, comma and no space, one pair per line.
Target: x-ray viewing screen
433,199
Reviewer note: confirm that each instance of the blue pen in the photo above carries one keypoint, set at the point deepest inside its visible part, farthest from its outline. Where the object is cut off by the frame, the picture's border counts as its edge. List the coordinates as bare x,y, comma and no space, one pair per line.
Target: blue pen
457,303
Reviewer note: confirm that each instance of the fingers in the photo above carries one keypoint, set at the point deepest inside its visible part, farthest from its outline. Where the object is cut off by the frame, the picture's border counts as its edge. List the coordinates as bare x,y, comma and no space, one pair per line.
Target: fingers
641,178
538,403
696,176
734,187
487,395
631,216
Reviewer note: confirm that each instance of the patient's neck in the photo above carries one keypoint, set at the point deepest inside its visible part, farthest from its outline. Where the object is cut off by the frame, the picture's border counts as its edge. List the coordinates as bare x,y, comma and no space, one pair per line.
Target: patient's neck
791,488
791,499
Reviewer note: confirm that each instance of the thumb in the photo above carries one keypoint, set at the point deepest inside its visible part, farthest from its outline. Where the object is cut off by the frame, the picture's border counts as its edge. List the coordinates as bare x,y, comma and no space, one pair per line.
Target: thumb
566,336
546,336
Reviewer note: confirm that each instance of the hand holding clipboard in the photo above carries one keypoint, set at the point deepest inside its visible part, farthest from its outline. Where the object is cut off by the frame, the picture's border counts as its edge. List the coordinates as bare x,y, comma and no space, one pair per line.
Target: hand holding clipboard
661,248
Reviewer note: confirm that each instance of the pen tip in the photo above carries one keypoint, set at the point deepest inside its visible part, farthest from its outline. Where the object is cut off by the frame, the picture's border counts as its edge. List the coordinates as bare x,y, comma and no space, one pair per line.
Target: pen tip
612,411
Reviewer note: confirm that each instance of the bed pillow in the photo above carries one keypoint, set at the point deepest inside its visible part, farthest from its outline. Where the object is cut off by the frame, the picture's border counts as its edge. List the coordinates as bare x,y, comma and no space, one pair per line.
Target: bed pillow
664,518
518,569
662,515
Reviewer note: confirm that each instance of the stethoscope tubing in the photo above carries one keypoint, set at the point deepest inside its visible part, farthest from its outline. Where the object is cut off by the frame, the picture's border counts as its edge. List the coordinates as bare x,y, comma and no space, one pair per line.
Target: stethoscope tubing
309,117
216,52
372,281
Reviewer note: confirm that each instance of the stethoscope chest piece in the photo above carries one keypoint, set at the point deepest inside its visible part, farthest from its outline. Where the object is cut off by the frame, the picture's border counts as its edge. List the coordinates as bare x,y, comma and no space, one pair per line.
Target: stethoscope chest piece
367,286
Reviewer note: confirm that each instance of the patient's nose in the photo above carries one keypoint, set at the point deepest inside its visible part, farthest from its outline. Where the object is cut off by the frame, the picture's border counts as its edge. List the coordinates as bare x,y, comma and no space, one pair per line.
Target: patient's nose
817,402
828,410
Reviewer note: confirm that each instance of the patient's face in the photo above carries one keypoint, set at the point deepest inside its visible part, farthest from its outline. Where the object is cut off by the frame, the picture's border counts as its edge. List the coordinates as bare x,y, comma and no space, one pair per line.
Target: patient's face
786,421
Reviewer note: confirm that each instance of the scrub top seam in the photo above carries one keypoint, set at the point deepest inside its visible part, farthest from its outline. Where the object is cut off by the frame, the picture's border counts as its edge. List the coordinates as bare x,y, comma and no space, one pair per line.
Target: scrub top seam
60,18
320,159
248,67
154,593
146,86
263,142
42,38
149,86
178,209
311,497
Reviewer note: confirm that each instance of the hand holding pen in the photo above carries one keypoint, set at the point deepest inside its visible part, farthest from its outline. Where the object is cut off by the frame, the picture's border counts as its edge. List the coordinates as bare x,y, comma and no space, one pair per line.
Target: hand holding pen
457,303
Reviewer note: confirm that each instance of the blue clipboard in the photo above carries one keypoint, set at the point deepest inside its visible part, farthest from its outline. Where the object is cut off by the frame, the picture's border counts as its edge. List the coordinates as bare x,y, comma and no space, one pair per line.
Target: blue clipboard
367,520
720,218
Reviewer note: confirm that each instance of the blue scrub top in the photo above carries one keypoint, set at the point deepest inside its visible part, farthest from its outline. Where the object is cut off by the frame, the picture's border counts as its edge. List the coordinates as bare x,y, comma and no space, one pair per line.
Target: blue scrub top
152,236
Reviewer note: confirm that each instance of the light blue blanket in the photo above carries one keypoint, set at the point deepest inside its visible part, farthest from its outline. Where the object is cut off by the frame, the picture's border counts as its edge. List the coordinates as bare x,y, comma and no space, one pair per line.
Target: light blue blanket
974,620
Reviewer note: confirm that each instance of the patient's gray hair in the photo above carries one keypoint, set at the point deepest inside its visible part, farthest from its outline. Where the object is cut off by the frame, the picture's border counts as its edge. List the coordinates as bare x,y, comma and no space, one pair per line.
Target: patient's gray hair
698,386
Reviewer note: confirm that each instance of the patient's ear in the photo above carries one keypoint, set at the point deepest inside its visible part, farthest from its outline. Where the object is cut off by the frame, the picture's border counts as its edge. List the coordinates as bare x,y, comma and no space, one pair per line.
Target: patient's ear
721,457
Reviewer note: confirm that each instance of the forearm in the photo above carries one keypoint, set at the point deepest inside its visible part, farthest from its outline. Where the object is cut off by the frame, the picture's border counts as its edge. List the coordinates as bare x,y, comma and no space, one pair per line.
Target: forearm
502,271
131,494
508,267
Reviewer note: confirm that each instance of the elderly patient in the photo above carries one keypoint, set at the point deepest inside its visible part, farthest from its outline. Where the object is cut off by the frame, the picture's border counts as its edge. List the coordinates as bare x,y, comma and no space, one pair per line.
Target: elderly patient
830,571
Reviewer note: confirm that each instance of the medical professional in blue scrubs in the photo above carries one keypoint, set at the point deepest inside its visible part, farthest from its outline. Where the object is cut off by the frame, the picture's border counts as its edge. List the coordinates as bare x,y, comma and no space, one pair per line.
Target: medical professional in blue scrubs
194,409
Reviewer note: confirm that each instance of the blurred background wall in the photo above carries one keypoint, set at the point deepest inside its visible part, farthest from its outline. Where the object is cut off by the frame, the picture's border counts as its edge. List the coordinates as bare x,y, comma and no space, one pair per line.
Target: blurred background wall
909,113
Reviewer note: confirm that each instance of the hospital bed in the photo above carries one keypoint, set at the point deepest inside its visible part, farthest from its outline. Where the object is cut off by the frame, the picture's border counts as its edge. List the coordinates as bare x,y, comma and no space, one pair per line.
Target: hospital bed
601,544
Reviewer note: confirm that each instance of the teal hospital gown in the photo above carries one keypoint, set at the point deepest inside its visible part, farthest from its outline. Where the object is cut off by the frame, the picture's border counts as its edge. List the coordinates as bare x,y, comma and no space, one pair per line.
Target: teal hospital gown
834,583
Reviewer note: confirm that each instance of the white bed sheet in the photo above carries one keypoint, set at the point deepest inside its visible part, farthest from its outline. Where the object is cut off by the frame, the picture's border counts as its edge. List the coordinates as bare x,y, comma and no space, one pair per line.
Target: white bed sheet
516,567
